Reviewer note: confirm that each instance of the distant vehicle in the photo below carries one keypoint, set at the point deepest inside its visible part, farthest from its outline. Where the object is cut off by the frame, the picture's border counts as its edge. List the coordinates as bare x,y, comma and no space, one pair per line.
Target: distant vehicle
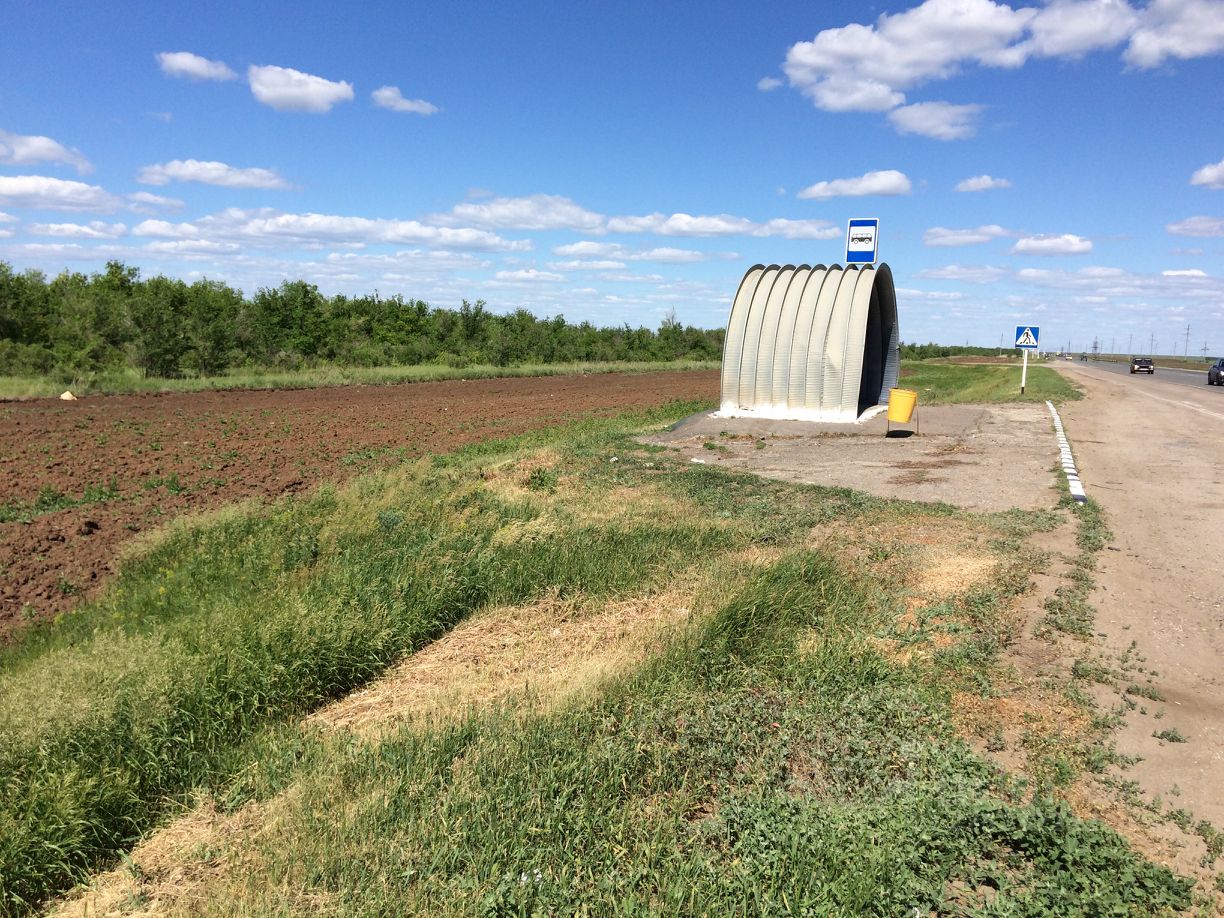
1142,365
1215,373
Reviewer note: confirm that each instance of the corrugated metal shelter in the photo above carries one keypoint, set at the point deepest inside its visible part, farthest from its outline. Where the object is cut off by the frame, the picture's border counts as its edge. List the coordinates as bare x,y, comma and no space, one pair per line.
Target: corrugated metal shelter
811,343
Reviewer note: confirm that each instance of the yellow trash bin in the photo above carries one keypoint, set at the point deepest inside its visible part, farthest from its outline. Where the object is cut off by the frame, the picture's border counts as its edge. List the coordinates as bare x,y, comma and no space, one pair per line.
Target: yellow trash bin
901,404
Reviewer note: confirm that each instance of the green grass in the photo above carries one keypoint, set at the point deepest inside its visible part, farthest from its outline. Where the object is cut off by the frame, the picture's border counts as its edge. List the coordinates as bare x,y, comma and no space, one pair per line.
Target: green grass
946,384
771,760
132,381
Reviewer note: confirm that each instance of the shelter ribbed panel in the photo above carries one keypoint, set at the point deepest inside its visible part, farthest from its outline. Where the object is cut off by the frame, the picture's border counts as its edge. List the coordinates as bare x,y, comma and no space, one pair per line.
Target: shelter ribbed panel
811,343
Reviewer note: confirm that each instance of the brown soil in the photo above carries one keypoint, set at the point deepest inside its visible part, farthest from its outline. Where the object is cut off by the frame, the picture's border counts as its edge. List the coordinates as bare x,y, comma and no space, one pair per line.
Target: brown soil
168,454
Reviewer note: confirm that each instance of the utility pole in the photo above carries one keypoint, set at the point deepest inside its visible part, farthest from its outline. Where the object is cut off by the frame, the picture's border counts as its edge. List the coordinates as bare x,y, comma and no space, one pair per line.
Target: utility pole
1187,353
1113,349
1152,345
1204,350
1130,343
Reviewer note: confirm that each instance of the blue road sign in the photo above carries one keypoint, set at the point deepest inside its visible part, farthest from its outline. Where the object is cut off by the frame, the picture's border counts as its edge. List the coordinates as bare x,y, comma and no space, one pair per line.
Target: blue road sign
1027,336
862,239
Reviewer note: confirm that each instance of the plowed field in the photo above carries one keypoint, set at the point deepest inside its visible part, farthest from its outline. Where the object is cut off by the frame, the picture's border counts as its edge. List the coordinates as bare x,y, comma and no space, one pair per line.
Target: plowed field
78,479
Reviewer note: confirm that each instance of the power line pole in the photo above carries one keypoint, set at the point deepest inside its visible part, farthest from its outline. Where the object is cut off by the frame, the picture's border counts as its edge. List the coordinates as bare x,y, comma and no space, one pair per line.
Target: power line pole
1152,345
1204,350
1130,344
1187,353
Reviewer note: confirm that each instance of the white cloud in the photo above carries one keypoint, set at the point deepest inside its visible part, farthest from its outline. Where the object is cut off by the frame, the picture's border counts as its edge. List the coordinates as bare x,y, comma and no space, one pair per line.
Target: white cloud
210,172
682,225
144,202
528,274
798,229
604,264
193,67
765,84
1066,244
96,229
1187,272
40,192
619,252
7,218
1176,29
532,212
193,247
1197,226
886,182
973,274
1210,176
390,97
869,67
940,237
29,149
866,67
289,90
1071,28
939,120
269,227
588,249
6,233
982,183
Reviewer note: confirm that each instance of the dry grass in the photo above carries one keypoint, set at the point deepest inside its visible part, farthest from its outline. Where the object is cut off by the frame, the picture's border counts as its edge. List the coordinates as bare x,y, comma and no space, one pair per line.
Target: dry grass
547,652
540,655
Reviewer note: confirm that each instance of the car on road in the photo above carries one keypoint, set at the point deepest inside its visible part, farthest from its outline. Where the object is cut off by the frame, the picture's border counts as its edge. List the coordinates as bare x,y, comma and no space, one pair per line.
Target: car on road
1142,365
1215,373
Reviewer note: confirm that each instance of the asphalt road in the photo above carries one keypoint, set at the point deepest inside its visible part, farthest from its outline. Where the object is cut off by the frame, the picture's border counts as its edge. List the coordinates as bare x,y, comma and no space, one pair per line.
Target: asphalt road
1167,374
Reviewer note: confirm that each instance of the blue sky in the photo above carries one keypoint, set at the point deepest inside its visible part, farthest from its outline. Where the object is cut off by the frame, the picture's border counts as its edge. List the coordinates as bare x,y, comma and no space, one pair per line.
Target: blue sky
613,162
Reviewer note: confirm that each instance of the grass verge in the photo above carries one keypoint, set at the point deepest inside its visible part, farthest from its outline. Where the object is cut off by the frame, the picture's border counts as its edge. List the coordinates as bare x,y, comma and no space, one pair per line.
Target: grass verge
947,384
792,750
12,387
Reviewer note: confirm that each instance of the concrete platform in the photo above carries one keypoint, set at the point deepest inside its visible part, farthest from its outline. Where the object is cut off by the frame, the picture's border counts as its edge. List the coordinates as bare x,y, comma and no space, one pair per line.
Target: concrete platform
980,457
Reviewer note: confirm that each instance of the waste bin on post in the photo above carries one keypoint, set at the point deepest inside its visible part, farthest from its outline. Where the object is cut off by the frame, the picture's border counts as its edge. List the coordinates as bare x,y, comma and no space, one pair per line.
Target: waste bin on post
901,406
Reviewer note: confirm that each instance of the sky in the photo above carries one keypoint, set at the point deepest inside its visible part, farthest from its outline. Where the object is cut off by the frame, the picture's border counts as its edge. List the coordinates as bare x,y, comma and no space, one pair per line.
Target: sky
1056,164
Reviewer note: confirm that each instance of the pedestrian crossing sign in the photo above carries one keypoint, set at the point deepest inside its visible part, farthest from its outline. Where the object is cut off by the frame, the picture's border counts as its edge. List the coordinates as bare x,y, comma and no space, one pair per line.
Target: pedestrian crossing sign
1027,336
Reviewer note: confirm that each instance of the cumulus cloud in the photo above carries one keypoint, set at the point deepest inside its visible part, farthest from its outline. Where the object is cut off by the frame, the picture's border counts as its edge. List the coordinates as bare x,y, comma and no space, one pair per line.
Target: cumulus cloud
579,264
190,66
528,274
871,67
982,183
1186,272
973,274
273,228
289,90
95,229
1197,226
390,97
588,249
30,149
7,218
144,202
41,192
886,182
939,120
766,84
531,212
1210,176
209,172
1176,29
1066,244
940,237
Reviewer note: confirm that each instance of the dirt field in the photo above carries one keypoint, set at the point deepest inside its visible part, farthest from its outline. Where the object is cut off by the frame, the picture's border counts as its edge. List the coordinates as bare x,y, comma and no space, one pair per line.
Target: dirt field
129,463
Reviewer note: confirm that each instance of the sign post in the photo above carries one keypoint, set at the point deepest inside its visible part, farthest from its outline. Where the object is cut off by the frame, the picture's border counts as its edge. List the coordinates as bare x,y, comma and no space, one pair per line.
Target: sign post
1027,337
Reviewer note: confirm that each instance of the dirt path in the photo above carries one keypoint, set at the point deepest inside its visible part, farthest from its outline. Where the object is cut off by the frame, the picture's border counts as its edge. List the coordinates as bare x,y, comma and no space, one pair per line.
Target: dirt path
82,477
1150,453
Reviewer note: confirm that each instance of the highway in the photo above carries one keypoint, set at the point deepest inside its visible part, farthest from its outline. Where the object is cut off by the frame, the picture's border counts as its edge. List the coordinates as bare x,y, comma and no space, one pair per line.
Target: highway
1166,374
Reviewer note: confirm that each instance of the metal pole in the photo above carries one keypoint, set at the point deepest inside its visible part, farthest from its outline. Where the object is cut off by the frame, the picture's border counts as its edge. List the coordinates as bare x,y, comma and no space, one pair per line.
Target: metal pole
1024,372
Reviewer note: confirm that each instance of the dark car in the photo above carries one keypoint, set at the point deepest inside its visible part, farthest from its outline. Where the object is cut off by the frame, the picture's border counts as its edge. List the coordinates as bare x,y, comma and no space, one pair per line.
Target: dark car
1142,365
1215,373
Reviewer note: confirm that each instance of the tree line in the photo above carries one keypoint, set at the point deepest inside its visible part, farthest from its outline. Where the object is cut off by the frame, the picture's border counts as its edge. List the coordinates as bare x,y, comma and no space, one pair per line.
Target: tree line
165,327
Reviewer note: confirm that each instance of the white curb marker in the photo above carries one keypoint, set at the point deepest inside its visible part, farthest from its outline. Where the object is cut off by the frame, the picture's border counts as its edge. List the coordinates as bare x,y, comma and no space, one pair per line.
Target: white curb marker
1068,461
